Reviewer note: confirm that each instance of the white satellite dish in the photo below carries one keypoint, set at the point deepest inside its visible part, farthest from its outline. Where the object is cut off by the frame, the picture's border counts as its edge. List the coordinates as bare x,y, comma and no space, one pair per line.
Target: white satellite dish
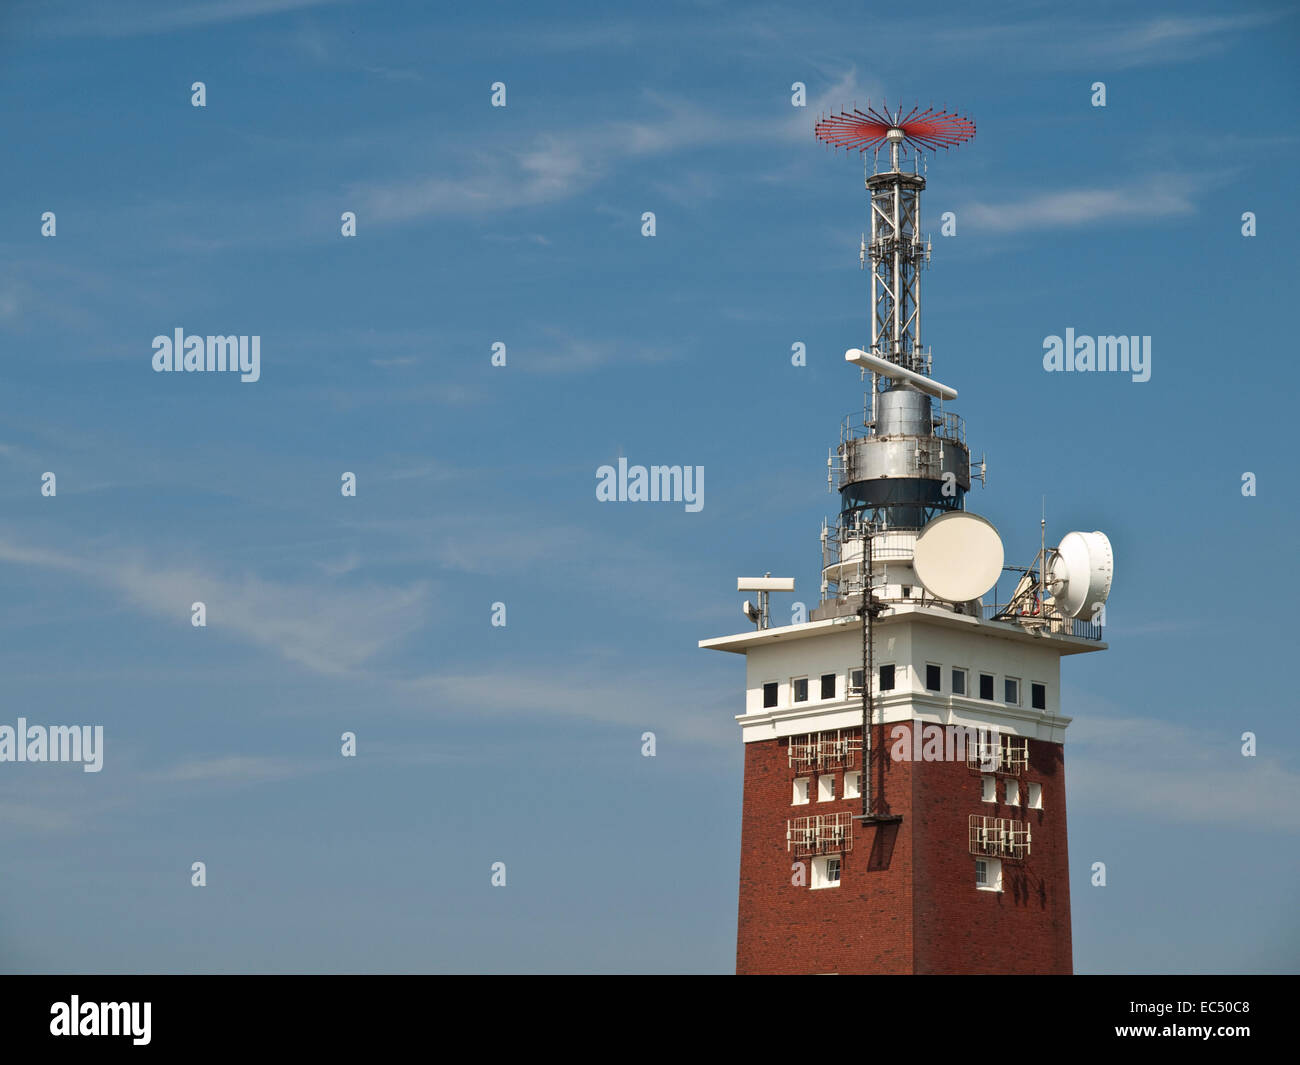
958,557
1081,574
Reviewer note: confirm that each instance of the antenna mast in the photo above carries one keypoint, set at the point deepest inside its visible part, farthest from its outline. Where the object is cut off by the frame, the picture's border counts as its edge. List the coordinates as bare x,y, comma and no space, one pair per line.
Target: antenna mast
902,472
896,250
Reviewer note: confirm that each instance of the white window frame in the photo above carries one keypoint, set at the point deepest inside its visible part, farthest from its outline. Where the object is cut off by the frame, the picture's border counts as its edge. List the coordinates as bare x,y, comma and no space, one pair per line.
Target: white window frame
992,876
853,784
805,792
1035,797
1013,791
826,787
806,692
965,686
1020,690
820,869
989,788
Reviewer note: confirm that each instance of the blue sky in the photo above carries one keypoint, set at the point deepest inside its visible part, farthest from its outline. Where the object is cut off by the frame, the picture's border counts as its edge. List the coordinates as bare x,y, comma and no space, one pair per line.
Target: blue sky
476,483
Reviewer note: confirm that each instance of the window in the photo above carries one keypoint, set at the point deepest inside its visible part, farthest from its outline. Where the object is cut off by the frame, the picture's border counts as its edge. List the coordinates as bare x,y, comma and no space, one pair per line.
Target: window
1013,792
828,685
825,872
907,591
990,785
826,787
986,686
959,682
933,678
855,680
1038,696
800,688
1035,796
988,874
886,678
851,785
800,792
769,695
1011,691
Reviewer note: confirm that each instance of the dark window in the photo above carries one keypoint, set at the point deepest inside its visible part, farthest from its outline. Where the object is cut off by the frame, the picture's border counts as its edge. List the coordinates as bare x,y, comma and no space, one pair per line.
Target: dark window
855,679
801,690
769,694
1038,694
1011,691
959,682
933,678
828,685
886,678
986,686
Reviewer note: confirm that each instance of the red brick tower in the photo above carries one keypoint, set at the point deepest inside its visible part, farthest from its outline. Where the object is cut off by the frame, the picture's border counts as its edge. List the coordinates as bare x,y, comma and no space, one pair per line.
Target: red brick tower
940,845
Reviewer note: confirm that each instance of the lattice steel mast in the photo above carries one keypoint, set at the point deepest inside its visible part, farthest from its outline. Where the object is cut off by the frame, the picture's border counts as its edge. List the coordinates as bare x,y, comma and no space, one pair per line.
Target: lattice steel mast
896,249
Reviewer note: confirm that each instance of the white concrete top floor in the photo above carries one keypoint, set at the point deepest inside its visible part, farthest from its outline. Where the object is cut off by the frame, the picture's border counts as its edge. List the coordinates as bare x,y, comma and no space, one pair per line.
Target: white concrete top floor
943,667
742,642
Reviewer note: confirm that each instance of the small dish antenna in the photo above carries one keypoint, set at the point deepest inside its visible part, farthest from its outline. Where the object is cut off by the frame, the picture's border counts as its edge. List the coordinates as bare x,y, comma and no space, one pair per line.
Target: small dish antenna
958,557
1081,573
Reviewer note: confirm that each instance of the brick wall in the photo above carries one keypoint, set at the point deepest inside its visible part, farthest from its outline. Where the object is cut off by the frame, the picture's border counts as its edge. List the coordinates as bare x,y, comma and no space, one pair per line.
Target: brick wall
907,901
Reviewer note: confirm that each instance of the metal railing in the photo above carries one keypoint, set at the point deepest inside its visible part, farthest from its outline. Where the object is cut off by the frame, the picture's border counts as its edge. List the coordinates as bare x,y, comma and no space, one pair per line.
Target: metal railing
943,424
1054,623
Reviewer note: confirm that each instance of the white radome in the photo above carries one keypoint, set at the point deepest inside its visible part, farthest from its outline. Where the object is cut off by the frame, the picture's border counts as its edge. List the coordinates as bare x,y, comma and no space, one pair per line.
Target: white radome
1081,574
958,556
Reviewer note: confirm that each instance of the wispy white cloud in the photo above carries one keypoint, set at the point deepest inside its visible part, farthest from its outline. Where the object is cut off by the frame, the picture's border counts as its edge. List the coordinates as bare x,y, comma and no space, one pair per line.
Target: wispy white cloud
311,42
561,163
75,802
1065,40
327,629
631,699
235,767
517,238
136,18
1174,773
1167,38
425,471
1059,38
559,352
1158,196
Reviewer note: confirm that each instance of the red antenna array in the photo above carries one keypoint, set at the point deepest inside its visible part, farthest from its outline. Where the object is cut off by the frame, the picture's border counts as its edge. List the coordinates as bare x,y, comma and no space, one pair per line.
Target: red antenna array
861,130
